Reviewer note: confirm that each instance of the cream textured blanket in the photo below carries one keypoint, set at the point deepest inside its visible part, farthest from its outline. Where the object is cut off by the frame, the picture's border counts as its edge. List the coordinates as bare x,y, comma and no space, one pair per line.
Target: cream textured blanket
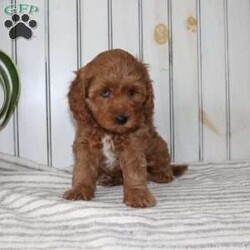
207,208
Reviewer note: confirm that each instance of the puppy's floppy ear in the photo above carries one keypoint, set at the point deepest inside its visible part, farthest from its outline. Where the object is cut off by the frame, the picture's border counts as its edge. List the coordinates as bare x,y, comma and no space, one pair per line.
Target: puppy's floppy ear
77,95
149,104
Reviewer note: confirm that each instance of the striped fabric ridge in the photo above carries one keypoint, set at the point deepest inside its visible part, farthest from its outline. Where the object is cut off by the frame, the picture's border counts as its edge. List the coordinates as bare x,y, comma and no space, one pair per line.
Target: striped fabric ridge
207,208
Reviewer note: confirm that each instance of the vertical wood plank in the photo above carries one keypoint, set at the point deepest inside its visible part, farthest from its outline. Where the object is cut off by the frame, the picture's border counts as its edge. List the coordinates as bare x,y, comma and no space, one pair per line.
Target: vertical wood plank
185,80
94,28
239,62
6,135
209,72
32,104
213,79
63,61
155,45
125,25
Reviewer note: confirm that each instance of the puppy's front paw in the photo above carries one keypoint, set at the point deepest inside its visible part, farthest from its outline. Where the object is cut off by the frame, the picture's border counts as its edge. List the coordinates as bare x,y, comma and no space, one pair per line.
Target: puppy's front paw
139,198
79,193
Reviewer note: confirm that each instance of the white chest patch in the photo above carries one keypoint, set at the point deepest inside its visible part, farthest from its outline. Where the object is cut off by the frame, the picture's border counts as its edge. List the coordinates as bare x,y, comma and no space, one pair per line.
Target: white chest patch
108,150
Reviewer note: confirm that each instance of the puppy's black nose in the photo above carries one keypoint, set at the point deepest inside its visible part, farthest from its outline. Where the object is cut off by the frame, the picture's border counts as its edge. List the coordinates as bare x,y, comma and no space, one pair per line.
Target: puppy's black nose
121,119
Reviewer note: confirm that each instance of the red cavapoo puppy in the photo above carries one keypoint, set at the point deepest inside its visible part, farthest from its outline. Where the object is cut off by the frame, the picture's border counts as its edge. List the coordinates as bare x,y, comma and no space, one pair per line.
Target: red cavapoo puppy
116,143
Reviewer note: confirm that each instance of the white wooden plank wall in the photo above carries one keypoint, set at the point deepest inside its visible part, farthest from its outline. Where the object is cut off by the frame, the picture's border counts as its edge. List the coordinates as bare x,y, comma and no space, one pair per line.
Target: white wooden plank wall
199,58
7,137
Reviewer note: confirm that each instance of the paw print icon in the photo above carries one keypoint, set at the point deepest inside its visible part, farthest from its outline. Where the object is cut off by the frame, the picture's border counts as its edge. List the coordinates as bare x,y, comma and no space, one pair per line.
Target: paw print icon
20,26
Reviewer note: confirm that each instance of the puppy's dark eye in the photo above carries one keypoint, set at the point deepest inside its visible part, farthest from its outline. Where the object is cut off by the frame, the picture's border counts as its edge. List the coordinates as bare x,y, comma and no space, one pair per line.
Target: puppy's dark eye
131,93
105,93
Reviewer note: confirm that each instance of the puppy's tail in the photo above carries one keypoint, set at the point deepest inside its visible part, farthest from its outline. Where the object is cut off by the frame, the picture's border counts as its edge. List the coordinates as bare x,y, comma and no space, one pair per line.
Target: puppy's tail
179,170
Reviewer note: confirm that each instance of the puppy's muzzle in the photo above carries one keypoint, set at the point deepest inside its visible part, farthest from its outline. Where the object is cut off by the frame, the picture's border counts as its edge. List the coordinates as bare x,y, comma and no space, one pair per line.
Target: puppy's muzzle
121,119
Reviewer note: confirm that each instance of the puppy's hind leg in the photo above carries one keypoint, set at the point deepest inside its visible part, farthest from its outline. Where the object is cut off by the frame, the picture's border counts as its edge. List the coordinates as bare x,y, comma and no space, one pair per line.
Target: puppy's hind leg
160,169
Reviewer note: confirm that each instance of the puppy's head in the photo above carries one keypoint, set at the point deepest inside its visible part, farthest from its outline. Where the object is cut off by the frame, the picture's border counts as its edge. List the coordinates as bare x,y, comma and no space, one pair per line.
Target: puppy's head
114,91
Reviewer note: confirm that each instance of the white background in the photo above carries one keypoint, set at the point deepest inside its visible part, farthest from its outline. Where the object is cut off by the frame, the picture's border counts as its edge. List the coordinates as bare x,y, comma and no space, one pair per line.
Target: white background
201,74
